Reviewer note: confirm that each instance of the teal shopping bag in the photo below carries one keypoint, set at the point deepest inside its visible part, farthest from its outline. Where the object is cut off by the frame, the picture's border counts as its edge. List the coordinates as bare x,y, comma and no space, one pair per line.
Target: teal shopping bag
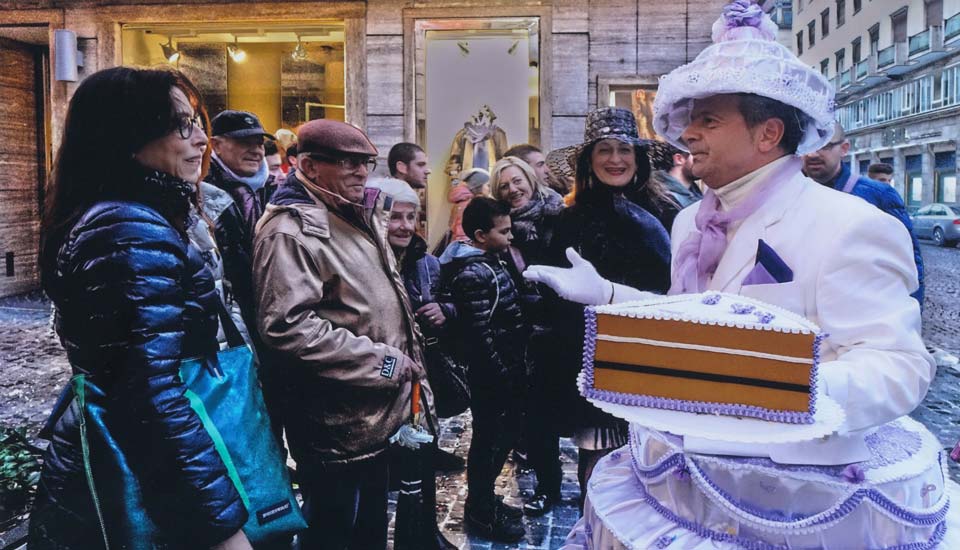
225,393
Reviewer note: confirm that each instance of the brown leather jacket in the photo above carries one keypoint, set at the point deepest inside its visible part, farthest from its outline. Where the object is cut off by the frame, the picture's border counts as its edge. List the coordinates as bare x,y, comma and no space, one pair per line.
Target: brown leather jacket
333,309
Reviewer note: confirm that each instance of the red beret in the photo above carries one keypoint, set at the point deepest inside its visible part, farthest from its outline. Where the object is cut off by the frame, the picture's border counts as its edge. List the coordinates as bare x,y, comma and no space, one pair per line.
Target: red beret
332,136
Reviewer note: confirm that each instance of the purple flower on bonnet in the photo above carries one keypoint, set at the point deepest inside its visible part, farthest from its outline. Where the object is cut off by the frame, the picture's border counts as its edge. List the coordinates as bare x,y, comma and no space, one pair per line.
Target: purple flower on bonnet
742,13
743,20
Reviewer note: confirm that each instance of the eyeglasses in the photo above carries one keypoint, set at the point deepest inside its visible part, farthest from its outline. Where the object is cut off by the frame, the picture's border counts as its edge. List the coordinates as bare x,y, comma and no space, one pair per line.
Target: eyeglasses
186,124
350,163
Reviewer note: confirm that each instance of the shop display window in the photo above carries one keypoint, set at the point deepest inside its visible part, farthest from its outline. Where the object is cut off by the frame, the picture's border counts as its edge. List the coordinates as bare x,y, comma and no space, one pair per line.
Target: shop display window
285,74
476,91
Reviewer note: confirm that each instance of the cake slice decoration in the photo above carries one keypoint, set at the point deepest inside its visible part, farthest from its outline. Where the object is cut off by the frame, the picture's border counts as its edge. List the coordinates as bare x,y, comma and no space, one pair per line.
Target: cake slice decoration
743,359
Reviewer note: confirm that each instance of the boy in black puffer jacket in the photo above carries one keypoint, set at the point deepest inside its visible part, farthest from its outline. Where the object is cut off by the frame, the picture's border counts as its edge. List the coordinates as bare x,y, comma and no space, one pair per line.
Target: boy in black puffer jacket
491,328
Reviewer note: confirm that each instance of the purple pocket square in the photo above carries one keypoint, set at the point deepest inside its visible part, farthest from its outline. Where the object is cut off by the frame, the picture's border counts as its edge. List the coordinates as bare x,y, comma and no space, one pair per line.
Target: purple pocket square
769,268
758,276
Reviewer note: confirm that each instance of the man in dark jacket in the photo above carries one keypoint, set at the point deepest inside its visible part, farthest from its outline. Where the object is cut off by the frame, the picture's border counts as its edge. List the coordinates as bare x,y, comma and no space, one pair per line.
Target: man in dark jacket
491,327
825,166
674,169
237,166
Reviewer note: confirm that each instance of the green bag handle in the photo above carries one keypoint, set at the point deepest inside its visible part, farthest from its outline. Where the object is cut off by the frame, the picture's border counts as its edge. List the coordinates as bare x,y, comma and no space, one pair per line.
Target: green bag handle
197,405
80,390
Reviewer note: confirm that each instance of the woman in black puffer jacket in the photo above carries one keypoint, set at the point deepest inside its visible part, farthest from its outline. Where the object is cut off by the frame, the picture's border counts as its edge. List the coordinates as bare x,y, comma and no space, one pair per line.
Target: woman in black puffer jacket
619,222
133,299
535,210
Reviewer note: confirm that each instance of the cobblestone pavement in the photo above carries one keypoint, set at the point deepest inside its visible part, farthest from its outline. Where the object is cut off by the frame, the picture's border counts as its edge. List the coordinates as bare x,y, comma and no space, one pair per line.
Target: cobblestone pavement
34,369
940,411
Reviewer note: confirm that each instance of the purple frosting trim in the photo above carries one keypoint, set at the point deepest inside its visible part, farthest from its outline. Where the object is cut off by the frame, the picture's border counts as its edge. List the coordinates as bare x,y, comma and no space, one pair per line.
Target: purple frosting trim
703,407
751,544
844,509
741,309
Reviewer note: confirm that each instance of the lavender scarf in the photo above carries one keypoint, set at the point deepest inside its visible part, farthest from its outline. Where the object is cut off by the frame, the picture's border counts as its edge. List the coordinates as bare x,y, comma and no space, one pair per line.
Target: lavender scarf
699,255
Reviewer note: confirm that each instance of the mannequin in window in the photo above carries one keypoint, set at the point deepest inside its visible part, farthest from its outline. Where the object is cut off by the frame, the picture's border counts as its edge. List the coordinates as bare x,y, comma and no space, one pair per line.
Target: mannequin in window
480,144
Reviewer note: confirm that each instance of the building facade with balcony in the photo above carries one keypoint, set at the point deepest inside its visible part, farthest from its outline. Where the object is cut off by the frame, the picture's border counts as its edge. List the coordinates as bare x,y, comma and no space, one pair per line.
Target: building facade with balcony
896,67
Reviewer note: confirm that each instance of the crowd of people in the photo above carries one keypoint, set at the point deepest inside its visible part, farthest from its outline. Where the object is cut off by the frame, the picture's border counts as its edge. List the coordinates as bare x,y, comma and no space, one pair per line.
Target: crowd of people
327,273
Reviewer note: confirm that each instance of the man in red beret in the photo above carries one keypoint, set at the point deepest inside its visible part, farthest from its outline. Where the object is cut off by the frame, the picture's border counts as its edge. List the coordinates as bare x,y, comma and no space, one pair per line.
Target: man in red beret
333,310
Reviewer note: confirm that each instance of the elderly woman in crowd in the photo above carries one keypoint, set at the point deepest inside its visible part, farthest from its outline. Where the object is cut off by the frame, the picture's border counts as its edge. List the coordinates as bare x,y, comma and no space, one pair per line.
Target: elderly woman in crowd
620,222
133,298
421,278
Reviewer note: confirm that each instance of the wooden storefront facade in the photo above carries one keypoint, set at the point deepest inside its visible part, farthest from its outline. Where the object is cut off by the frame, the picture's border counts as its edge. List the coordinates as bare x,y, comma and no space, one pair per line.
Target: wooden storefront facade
585,52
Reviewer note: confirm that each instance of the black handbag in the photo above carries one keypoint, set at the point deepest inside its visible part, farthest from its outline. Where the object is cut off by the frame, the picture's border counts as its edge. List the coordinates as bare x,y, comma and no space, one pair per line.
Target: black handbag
447,375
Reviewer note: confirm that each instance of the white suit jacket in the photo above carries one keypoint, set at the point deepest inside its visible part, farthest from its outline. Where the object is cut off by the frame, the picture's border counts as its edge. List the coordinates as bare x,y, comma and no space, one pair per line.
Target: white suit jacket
853,272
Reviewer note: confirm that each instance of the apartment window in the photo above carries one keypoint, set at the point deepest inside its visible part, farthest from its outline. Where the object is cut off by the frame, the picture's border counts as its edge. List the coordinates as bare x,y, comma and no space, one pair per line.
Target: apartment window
857,4
899,22
825,67
934,12
841,60
800,43
874,33
811,33
841,12
825,23
855,51
799,6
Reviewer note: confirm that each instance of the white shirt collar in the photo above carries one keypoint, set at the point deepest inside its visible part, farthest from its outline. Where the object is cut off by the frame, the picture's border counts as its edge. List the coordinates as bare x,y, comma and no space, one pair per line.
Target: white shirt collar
732,193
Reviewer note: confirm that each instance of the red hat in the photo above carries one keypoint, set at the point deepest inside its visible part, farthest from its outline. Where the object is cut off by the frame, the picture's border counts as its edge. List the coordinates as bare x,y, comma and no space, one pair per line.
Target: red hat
333,137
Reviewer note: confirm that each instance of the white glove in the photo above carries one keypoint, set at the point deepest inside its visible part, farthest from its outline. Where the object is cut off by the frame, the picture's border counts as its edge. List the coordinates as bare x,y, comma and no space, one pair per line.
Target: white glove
582,284
579,283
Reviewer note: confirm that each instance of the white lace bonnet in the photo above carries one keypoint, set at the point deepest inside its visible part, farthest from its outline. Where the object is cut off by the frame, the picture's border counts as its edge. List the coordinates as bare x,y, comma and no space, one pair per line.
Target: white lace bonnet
745,58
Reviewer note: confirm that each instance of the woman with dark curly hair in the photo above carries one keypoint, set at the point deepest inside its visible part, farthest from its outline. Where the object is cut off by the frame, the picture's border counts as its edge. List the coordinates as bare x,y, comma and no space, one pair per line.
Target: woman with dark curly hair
619,221
133,298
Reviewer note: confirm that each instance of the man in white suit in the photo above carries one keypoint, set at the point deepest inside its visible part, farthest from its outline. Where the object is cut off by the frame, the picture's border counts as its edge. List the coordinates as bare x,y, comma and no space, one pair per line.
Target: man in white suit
745,109
852,266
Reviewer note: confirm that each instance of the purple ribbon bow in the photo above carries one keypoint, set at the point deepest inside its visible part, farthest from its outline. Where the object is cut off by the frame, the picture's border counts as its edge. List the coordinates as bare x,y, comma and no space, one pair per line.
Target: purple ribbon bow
699,255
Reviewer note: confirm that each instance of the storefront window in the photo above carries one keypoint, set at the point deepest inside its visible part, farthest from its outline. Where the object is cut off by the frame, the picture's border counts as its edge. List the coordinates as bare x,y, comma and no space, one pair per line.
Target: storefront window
476,91
284,74
945,173
914,180
638,99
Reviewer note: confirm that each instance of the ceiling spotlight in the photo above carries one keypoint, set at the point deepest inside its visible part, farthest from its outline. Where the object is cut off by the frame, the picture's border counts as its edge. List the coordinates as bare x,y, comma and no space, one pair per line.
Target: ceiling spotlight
300,52
237,54
171,54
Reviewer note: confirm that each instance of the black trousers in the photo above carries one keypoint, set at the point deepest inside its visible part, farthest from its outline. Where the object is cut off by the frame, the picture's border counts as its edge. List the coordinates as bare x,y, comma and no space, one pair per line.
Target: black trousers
543,450
497,424
346,506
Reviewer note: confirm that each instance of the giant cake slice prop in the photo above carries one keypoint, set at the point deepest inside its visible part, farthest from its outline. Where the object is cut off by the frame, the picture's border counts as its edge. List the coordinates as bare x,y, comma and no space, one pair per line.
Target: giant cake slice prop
710,353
